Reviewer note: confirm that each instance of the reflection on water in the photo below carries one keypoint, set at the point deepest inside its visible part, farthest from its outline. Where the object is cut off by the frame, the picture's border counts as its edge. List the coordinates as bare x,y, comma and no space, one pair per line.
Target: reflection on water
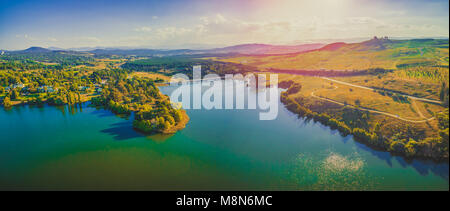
121,131
423,167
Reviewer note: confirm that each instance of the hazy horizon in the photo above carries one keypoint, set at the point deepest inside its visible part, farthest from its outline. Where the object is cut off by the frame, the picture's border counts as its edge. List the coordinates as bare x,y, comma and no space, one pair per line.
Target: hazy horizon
200,47
197,24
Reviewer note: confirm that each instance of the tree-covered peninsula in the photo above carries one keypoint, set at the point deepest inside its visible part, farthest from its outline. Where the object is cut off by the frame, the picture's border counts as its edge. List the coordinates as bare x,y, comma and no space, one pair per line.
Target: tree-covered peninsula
24,81
154,112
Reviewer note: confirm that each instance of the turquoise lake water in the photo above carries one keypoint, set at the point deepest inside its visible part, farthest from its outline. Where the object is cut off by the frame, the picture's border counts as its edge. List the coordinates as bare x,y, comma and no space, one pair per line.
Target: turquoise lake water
85,148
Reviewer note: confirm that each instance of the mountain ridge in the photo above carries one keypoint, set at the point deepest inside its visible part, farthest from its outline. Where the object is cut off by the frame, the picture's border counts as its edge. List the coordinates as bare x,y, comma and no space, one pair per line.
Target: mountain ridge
253,48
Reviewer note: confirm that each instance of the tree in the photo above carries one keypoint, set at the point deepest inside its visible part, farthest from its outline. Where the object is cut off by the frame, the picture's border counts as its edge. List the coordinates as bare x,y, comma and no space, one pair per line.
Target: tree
14,94
410,148
7,102
442,91
295,88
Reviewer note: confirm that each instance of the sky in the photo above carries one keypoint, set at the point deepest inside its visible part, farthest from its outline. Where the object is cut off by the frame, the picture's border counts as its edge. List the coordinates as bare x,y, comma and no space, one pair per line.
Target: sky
213,23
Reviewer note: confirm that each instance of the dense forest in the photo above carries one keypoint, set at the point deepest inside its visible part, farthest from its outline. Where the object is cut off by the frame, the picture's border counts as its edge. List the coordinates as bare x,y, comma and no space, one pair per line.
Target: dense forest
40,85
59,58
177,64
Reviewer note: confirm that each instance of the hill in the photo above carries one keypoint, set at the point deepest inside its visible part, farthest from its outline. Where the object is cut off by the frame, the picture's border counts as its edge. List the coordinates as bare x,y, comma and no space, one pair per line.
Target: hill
47,56
141,52
247,49
36,50
374,53
266,49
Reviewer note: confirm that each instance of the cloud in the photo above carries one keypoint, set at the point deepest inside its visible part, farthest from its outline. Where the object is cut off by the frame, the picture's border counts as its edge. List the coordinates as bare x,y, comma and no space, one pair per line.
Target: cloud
171,32
219,25
143,29
222,30
229,30
52,39
26,37
89,39
83,41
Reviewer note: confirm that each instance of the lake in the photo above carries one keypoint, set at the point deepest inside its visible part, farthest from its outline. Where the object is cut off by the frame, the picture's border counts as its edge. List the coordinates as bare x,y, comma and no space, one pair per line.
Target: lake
85,148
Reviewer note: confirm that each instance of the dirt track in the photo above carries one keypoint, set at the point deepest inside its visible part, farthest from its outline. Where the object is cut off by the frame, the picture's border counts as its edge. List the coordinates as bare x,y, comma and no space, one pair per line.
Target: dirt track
373,110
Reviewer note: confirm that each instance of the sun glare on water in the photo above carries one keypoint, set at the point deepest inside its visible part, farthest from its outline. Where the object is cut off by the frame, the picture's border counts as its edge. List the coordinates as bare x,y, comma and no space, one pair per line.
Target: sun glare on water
331,172
337,163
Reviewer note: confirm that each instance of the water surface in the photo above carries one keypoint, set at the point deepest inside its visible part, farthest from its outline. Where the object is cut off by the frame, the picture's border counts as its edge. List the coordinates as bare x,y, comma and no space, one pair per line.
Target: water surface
85,148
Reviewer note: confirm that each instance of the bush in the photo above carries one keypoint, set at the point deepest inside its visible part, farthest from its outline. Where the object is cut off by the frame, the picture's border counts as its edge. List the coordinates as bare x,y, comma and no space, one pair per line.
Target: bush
118,108
7,102
397,146
365,136
410,148
294,88
144,126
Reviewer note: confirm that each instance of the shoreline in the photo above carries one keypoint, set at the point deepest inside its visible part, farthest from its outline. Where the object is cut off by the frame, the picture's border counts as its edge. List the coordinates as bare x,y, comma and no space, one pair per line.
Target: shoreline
294,107
84,99
180,126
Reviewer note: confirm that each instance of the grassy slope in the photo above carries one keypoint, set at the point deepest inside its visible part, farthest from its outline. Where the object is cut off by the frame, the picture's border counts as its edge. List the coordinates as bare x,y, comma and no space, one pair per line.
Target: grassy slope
150,75
358,56
367,98
390,81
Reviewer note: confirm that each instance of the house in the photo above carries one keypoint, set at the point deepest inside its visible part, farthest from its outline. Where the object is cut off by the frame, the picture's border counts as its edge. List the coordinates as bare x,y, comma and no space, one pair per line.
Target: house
48,89
19,86
83,88
25,89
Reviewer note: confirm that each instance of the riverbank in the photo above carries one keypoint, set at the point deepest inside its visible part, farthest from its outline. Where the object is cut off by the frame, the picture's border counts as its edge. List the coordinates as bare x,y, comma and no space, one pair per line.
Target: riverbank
428,149
181,124
27,101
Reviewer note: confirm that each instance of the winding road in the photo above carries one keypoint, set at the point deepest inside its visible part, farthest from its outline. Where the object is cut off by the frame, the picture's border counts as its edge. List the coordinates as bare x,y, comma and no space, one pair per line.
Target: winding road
372,89
373,110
